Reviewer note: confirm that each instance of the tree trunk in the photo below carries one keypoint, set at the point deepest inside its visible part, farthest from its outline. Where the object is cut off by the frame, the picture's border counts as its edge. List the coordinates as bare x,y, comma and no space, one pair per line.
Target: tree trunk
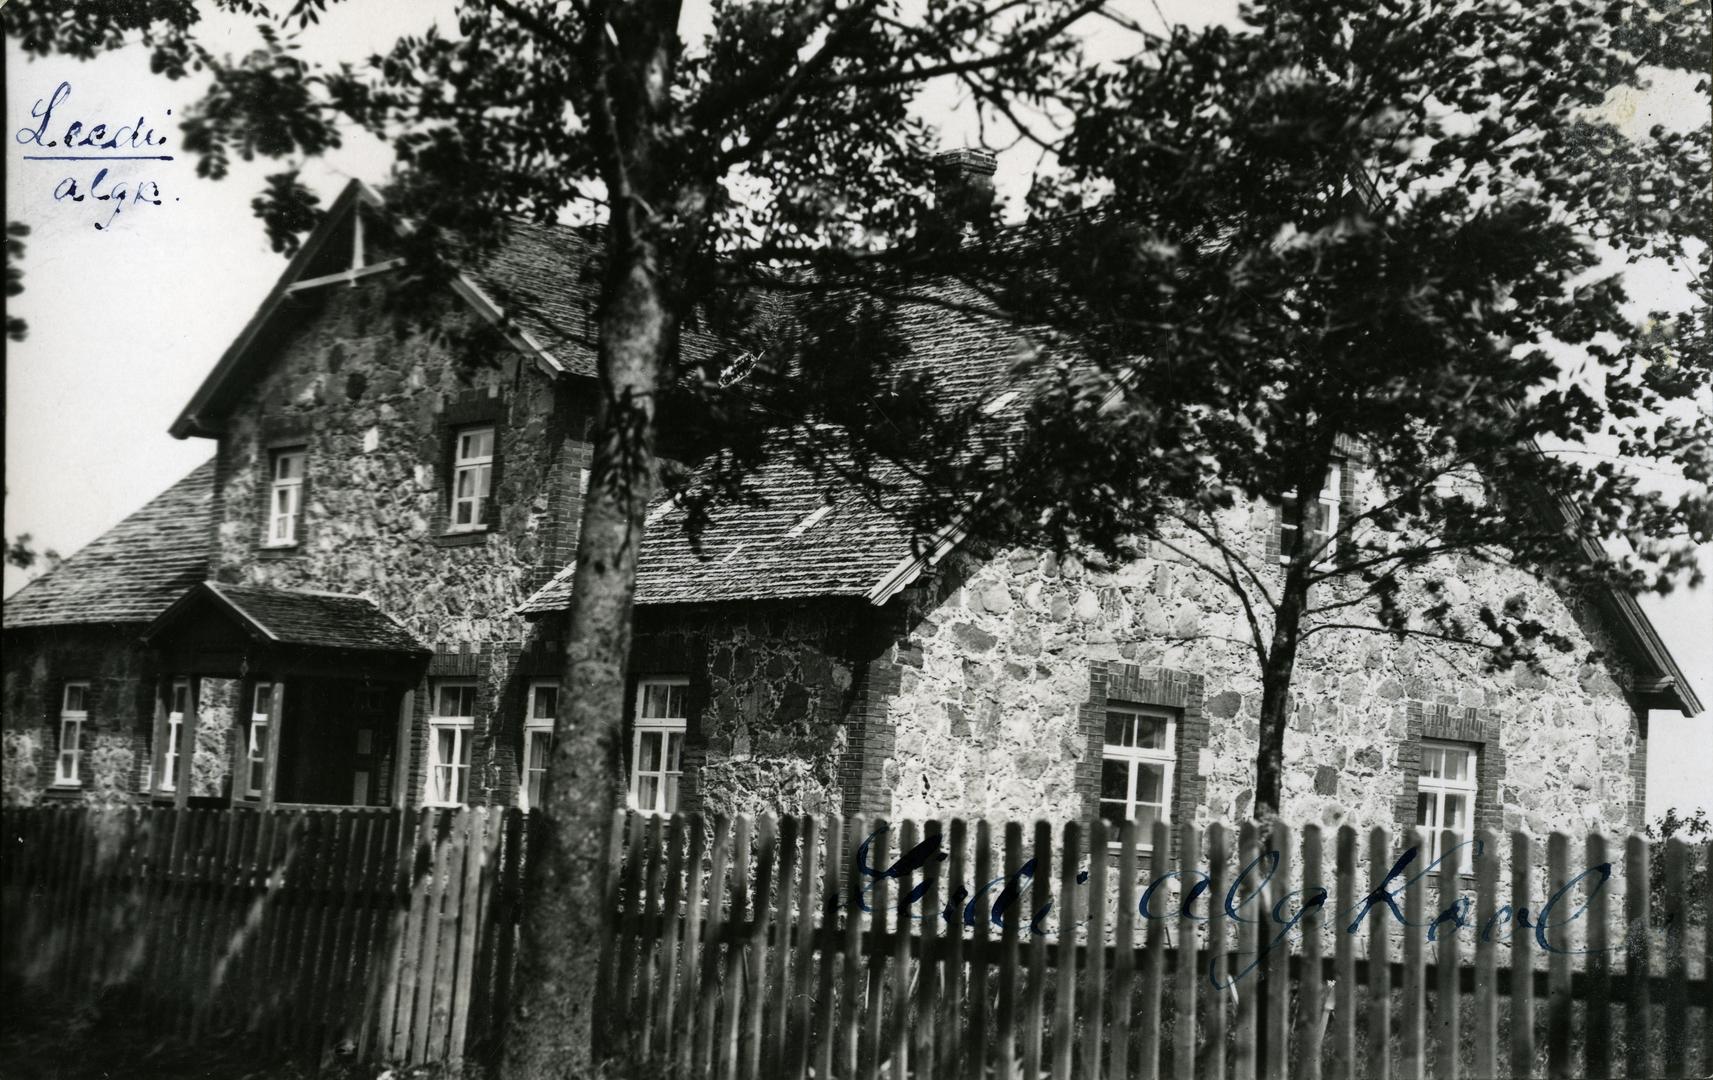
548,1031
1276,676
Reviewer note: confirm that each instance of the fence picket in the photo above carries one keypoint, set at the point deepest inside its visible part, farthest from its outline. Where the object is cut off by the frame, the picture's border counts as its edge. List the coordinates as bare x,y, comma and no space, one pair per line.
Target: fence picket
704,1057
1189,970
467,929
826,1017
1597,1027
1674,1047
1248,942
1276,964
949,1022
1379,1061
898,1022
973,1055
1558,966
1412,1022
798,1038
1005,1022
877,906
1445,929
685,1015
1039,894
927,969
649,930
1217,960
1344,959
776,1011
851,958
1065,907
666,1012
1486,1001
1122,997
1522,962
761,910
733,999
1094,972
1154,967
1314,1000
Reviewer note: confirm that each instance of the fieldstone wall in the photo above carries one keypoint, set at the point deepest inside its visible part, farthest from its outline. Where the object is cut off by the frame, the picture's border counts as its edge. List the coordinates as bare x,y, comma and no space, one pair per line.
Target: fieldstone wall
770,694
377,412
36,665
997,654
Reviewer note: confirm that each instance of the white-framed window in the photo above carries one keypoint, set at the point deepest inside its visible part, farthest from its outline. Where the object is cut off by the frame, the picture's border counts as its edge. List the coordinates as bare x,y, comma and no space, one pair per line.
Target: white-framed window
537,739
657,745
256,756
1322,520
73,714
472,475
177,706
1445,792
451,730
285,496
1137,764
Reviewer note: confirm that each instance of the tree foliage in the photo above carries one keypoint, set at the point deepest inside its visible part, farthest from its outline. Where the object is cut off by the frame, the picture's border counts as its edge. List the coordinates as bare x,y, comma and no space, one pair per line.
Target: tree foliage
1380,231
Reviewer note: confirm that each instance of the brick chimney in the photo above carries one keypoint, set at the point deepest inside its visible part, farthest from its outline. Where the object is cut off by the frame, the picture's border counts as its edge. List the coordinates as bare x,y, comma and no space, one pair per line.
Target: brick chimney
965,184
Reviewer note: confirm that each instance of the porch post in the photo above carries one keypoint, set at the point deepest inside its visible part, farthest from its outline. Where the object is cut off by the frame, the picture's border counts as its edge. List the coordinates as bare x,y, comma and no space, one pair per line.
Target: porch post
187,749
158,738
401,751
271,760
242,717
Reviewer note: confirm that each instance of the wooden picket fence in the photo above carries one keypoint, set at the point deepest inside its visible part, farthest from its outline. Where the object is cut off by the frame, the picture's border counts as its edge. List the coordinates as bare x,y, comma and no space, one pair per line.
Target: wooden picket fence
300,930
782,949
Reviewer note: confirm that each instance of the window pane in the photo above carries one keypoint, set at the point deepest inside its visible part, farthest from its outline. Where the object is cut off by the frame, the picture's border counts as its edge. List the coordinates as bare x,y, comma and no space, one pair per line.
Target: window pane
648,752
647,792
1456,813
74,699
181,699
1152,732
1145,818
534,788
674,751
466,483
483,475
1150,782
1113,810
1456,764
675,700
1433,762
546,703
1425,805
264,698
1114,779
1118,729
671,806
446,744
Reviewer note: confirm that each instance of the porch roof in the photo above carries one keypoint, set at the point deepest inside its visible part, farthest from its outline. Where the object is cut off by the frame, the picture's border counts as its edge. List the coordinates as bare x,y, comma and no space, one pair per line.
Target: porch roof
287,617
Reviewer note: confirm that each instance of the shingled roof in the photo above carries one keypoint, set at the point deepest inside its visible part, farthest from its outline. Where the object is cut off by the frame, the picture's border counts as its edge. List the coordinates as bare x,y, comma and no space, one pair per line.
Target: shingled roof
132,572
762,550
297,617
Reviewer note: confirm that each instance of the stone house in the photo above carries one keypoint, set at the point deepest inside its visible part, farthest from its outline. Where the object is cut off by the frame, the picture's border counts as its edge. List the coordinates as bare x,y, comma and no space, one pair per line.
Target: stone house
358,601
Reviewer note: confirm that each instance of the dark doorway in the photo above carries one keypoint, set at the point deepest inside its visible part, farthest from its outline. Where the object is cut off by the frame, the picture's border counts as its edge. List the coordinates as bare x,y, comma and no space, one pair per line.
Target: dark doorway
336,743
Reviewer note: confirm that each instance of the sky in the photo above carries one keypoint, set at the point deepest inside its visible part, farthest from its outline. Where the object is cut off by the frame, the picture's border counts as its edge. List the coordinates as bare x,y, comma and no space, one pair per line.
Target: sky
125,320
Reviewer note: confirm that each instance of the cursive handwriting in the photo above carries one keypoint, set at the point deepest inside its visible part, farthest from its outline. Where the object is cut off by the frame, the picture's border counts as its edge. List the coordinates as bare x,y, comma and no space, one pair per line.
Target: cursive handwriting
85,141
1249,887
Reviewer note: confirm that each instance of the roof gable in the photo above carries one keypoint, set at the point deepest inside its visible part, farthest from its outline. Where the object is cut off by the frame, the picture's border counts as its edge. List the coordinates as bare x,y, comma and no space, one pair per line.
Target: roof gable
536,287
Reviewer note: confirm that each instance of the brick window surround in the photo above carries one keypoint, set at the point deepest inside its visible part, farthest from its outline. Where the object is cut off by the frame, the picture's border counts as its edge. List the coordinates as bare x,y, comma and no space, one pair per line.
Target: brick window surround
467,409
1456,724
1113,683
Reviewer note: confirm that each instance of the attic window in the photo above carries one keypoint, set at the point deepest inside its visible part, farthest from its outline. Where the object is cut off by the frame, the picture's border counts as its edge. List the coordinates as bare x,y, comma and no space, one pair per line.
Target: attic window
811,519
998,403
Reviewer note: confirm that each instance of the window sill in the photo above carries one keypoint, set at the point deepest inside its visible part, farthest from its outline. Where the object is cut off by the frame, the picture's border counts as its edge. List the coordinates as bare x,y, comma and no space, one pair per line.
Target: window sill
277,551
464,538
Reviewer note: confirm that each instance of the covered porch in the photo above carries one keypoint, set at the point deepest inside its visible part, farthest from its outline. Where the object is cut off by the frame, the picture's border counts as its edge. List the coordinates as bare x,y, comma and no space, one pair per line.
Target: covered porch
315,692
